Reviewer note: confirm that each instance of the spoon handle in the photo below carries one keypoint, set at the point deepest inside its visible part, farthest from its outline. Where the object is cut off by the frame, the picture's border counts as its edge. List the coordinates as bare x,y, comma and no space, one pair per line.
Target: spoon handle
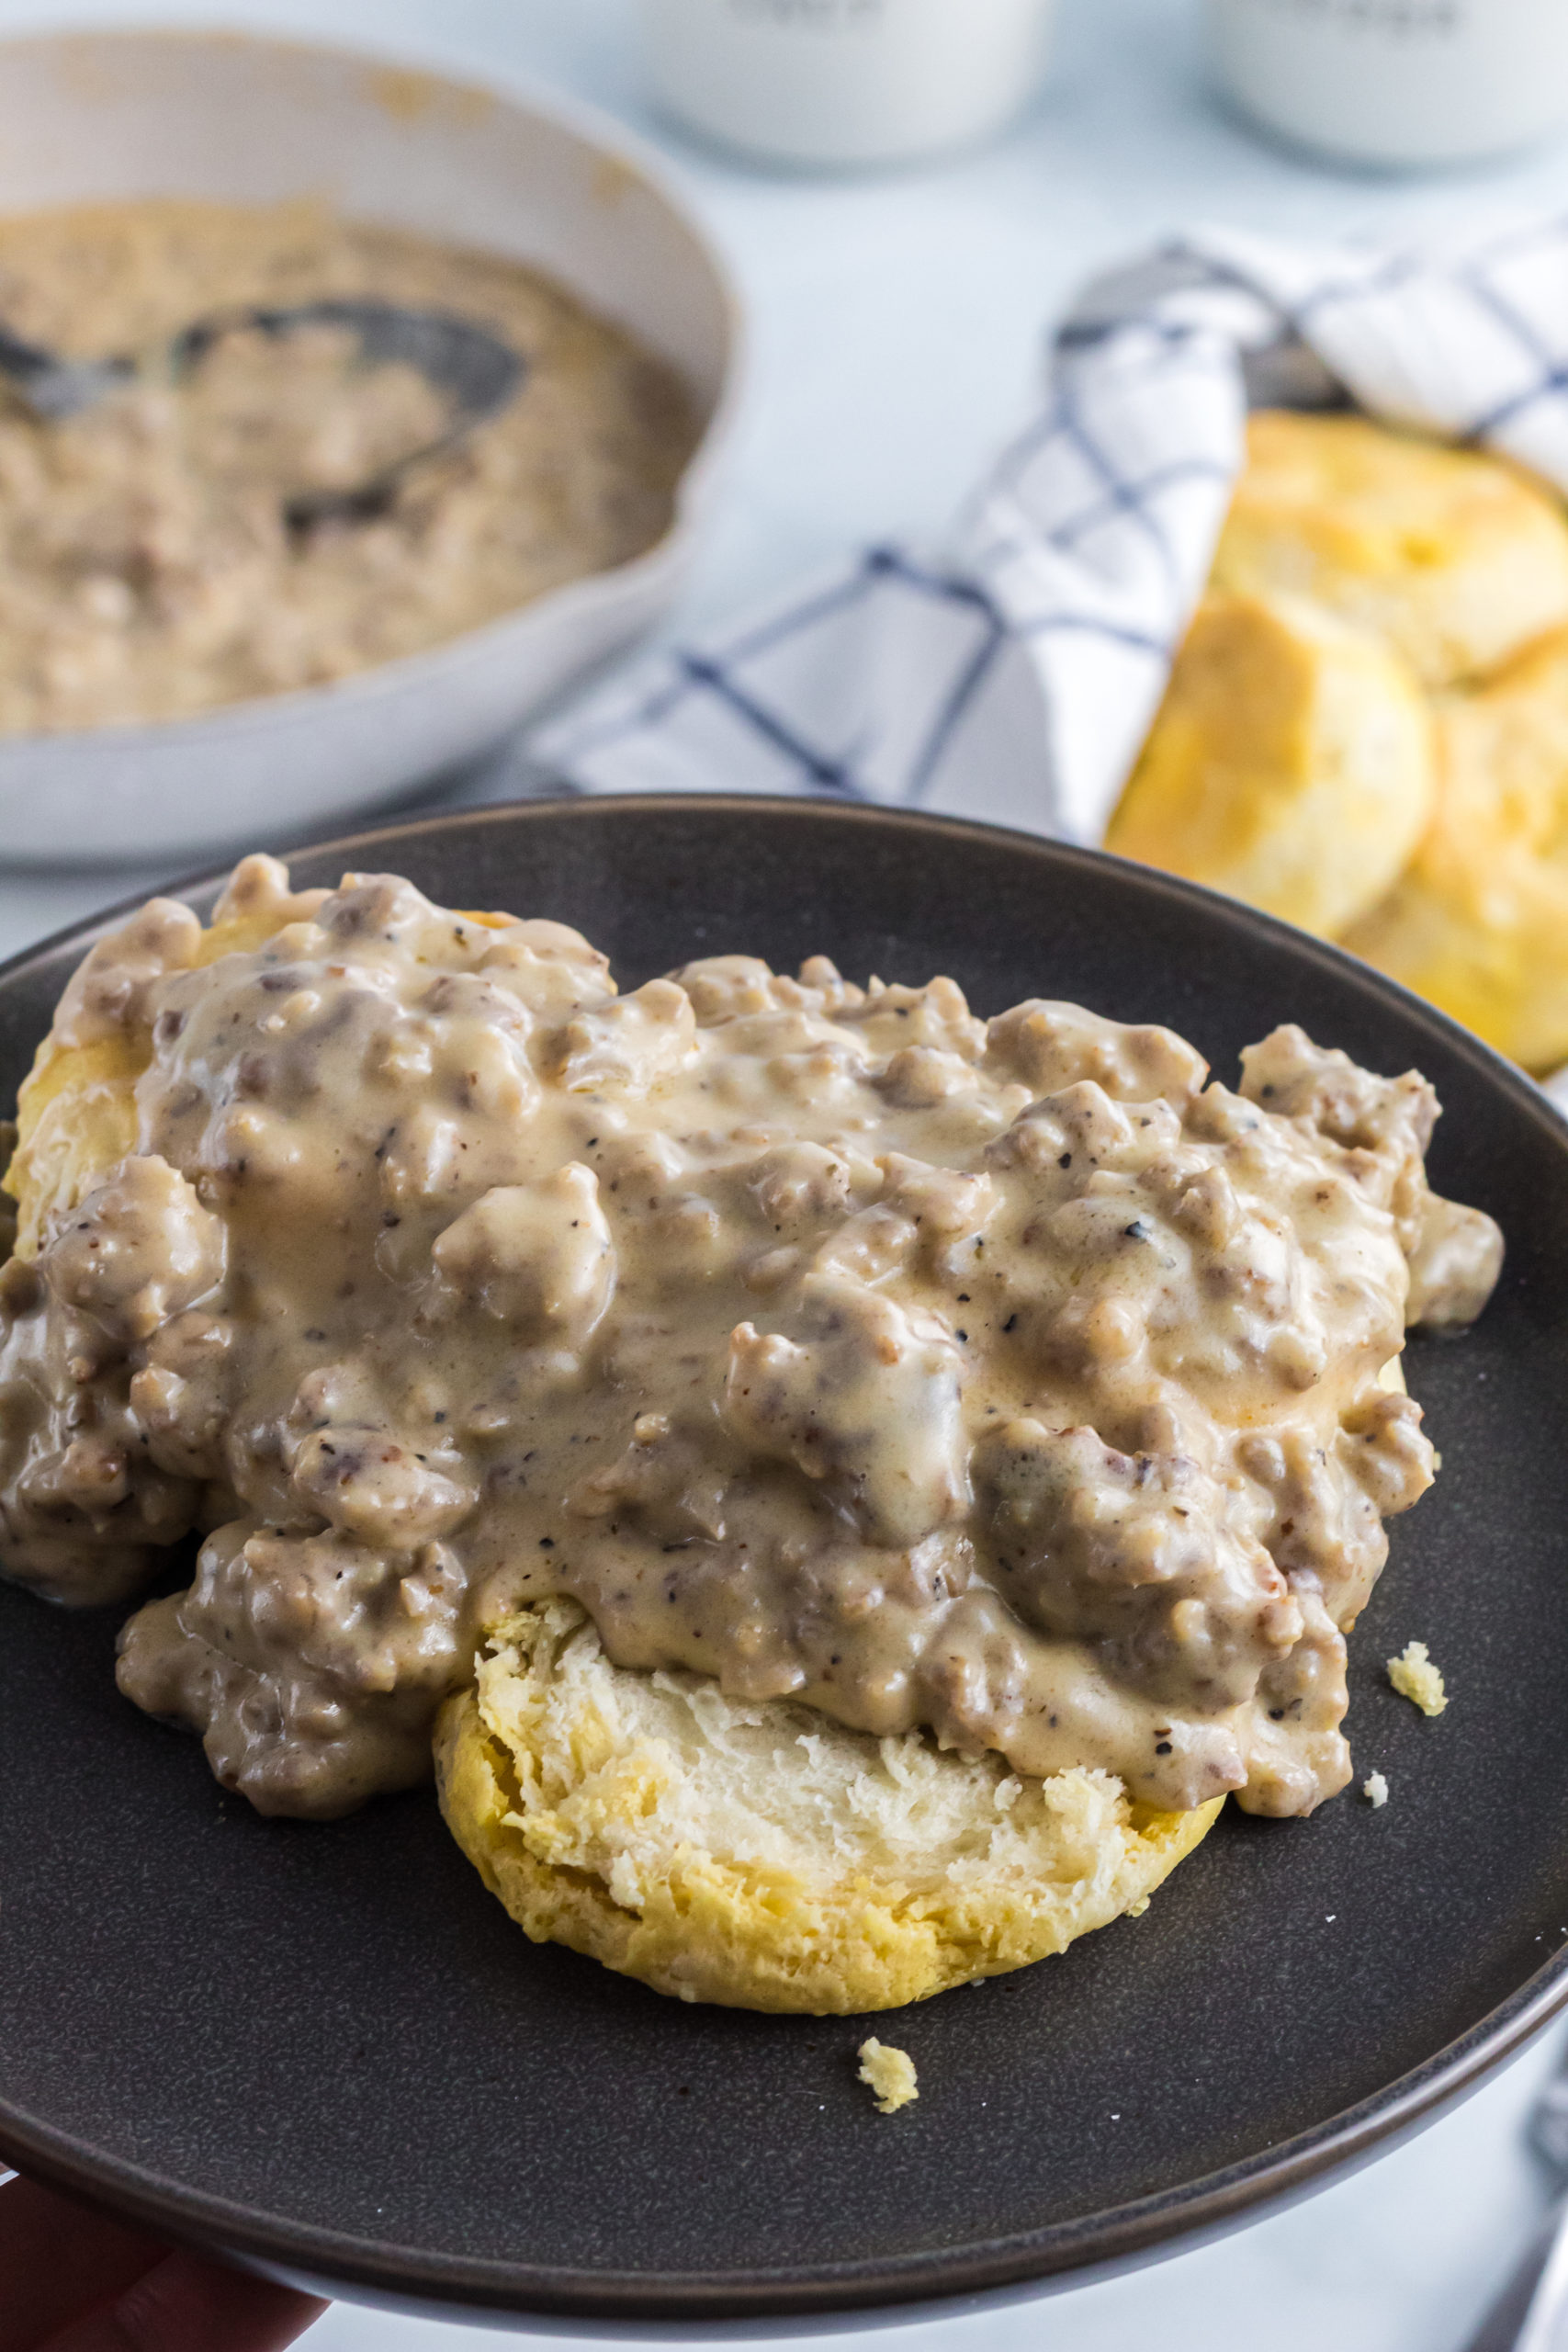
23,362
55,389
1543,2330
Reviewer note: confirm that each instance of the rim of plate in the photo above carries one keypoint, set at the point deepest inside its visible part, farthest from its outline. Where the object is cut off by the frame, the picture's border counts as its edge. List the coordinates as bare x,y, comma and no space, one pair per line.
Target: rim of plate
1060,2254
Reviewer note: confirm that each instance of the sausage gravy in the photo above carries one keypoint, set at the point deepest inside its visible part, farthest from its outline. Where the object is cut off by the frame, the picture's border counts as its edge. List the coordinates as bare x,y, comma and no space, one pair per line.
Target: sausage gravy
147,571
1006,1378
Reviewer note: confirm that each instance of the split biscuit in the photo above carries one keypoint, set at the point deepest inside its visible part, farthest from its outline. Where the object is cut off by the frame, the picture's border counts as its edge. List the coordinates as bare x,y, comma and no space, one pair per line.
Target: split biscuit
76,1113
1290,764
1457,559
759,1855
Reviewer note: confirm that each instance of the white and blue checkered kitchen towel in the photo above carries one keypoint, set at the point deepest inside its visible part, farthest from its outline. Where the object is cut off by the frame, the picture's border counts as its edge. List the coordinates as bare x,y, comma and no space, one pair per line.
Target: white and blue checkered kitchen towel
1013,674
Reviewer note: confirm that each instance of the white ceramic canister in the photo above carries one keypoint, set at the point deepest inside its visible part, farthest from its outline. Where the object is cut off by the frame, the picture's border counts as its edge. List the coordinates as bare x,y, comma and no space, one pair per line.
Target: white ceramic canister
831,84
1401,84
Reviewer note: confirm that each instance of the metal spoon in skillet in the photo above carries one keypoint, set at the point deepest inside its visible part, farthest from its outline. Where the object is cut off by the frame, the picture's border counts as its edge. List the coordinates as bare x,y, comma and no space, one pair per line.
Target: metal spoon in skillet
478,373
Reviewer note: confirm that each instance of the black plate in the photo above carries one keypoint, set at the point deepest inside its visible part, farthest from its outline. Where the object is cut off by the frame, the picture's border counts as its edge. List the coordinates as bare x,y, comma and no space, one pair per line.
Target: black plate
327,2048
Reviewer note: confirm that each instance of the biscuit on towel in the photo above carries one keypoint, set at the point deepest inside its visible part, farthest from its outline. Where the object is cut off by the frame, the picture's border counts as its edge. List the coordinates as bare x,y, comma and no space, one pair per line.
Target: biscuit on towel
1290,764
1454,557
1479,921
759,1855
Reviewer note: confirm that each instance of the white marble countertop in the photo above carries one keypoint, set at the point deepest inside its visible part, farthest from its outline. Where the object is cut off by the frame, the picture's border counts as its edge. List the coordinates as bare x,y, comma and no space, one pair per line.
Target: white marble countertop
898,326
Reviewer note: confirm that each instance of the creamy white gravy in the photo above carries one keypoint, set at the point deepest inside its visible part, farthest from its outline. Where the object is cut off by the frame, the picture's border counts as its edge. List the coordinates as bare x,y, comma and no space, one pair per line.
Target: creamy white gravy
1005,1378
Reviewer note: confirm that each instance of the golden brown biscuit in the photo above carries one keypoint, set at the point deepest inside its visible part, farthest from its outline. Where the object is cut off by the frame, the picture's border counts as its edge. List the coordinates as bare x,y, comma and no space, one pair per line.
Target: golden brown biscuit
1479,921
1290,764
761,1856
1456,558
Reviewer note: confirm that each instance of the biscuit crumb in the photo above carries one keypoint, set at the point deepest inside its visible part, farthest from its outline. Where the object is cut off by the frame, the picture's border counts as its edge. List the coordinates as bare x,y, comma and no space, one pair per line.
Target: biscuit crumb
1374,1788
1415,1676
889,2073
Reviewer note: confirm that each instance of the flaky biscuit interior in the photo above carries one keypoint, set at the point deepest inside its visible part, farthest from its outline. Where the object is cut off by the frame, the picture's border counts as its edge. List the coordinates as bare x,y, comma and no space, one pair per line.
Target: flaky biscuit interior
759,1855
